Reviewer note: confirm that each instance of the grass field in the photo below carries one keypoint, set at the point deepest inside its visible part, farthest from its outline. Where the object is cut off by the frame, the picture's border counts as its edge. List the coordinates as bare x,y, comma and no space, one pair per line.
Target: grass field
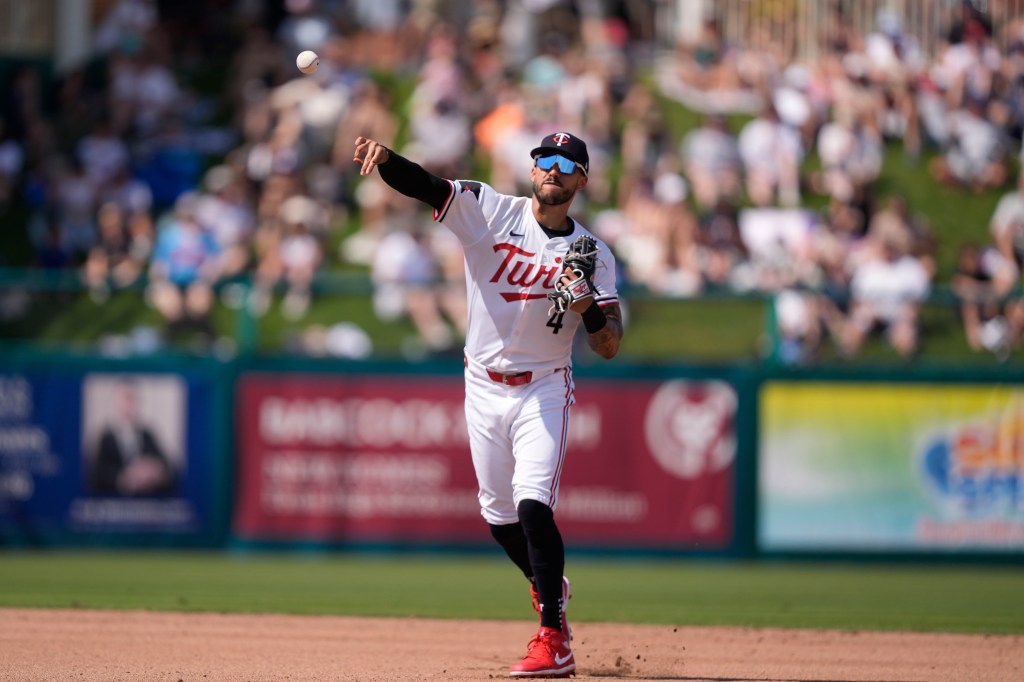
836,596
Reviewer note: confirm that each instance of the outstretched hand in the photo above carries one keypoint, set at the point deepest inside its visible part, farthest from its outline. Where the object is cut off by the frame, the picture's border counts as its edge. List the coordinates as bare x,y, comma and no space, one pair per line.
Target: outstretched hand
370,154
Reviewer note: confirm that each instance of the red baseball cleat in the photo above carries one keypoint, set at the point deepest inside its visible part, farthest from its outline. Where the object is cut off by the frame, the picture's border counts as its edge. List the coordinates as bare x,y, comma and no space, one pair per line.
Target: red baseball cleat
547,655
566,596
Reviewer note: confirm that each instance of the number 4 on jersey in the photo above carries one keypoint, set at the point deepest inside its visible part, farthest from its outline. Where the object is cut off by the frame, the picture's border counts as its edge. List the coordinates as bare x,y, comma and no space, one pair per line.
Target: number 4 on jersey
555,322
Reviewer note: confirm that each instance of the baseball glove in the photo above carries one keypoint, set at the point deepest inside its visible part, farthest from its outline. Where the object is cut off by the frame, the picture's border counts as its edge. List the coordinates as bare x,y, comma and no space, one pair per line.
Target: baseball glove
581,258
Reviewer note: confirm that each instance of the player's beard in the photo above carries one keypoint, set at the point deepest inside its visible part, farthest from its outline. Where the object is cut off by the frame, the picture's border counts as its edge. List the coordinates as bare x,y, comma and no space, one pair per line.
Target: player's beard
555,196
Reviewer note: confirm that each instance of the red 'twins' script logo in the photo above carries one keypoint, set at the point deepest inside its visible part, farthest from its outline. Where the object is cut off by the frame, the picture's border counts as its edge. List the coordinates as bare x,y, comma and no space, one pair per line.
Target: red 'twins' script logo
520,271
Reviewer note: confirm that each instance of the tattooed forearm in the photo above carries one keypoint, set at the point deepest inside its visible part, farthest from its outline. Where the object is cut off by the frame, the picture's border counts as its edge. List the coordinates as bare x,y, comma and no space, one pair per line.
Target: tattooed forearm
605,341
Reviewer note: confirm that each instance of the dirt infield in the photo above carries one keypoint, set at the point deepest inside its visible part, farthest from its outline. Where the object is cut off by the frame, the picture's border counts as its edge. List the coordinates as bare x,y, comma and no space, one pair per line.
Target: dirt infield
54,644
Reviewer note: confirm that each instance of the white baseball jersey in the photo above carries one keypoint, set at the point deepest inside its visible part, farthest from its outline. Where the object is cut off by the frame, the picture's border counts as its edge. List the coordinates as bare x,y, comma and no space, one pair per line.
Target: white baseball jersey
511,266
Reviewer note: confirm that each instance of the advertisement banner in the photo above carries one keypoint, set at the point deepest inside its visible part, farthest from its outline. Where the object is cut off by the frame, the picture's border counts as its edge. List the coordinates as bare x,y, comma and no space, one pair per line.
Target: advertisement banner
386,459
101,453
891,467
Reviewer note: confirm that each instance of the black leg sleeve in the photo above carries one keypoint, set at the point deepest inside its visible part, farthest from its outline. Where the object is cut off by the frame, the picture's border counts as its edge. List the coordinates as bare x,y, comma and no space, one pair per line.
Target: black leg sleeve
547,557
513,541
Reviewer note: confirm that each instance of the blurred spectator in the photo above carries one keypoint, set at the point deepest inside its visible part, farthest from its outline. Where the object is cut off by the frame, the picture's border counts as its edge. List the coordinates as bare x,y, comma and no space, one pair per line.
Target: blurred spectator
259,63
103,154
967,16
49,253
141,242
110,255
657,240
442,138
982,283
886,290
705,63
75,204
644,133
851,156
124,26
791,96
720,246
772,153
12,160
711,159
183,271
406,276
21,100
306,26
143,88
224,211
584,97
289,254
168,163
895,65
281,152
975,153
1007,224
922,240
799,323
837,243
780,248
369,115
451,290
128,192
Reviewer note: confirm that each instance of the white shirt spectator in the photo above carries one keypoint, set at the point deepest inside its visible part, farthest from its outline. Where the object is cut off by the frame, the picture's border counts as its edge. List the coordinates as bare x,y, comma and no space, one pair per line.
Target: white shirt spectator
402,261
1007,224
890,284
229,223
157,93
850,157
763,143
771,152
977,142
299,250
711,149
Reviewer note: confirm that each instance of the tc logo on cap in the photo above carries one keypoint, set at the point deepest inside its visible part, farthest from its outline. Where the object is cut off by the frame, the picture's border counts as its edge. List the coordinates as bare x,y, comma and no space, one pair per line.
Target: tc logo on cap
561,138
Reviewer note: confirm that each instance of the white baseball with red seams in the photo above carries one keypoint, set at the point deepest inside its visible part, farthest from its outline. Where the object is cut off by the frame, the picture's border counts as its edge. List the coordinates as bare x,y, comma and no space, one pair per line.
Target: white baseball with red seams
511,266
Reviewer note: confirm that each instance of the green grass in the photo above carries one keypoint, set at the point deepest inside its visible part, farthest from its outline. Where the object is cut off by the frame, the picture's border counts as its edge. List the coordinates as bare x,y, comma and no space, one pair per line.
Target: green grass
676,592
707,329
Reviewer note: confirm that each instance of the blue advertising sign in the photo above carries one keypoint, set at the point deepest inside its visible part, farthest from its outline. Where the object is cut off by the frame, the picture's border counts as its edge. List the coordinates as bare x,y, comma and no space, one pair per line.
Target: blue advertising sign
105,453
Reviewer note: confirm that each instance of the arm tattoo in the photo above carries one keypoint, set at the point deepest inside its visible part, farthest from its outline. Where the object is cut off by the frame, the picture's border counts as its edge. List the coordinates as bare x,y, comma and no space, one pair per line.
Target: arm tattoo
605,341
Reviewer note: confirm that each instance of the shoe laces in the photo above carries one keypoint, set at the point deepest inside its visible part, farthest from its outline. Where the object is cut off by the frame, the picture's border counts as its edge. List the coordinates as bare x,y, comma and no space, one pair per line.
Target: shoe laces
543,643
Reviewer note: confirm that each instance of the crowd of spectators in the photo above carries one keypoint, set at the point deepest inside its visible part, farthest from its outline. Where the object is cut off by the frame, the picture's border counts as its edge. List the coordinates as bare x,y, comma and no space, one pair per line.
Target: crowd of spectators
865,264
132,174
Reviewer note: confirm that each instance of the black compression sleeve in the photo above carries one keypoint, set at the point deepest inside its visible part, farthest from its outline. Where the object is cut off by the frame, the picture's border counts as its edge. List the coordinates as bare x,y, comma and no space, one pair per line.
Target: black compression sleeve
413,180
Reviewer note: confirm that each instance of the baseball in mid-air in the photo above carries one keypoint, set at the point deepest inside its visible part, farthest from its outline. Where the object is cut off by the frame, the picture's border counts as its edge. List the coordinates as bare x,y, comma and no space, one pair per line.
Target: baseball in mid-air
307,61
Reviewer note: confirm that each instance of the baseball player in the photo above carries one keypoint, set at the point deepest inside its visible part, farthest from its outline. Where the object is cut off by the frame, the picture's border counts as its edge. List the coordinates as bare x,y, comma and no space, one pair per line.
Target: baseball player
533,276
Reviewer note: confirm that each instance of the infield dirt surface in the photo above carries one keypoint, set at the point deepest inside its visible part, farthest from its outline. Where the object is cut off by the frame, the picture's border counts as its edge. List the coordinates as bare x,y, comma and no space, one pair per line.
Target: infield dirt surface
88,646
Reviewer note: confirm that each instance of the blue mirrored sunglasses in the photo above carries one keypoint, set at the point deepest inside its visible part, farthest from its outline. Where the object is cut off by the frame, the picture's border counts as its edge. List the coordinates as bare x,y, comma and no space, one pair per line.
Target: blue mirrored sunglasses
566,166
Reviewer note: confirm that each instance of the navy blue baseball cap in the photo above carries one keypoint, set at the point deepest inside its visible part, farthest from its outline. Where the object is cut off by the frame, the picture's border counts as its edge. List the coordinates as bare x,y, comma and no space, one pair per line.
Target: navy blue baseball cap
568,146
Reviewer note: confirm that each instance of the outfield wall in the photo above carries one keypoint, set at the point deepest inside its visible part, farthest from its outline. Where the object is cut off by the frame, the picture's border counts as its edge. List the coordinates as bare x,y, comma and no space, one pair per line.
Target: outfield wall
669,459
